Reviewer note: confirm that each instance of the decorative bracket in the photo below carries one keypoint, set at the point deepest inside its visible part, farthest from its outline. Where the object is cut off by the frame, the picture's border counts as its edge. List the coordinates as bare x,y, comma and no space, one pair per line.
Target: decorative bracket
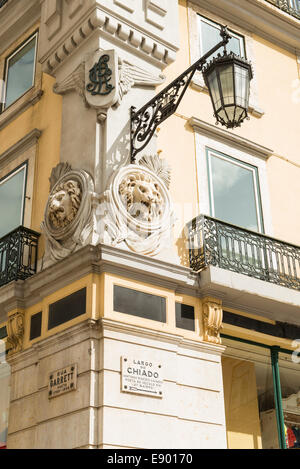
15,332
212,320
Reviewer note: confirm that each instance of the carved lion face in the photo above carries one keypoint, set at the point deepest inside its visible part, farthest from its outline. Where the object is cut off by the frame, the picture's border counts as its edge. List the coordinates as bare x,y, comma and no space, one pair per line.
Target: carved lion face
142,197
64,204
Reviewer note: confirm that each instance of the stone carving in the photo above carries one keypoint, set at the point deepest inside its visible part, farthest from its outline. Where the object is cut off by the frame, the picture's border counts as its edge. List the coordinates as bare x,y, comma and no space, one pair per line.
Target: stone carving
136,211
73,82
64,203
68,220
141,196
15,332
158,166
131,75
212,320
128,77
59,171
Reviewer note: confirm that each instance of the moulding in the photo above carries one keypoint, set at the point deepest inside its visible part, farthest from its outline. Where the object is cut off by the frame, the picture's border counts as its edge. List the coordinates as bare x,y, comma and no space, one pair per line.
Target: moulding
21,146
15,18
259,17
230,138
29,99
124,33
97,259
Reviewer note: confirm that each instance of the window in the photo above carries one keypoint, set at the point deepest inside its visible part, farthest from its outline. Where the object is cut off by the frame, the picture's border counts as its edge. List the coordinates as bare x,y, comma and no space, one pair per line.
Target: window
12,199
185,316
67,309
20,71
139,304
210,36
234,191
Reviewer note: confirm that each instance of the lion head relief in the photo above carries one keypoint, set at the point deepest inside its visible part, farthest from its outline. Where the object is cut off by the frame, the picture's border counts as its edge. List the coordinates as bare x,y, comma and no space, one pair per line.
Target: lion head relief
64,203
142,197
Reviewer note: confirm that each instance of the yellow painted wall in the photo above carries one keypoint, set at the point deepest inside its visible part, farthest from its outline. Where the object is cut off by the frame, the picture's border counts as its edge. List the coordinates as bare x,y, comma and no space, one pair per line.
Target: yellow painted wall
241,406
45,116
276,71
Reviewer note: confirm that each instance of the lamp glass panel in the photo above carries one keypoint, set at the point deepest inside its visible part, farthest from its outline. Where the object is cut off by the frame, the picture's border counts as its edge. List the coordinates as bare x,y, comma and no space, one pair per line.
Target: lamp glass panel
214,89
241,76
227,83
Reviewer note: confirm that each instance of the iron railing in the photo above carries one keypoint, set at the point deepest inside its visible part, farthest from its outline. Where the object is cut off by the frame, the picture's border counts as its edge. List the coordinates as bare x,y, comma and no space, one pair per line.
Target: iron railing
18,255
289,6
213,242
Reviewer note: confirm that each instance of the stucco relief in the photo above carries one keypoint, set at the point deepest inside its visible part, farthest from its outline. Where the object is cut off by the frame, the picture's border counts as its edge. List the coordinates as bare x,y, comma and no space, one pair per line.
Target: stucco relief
68,221
136,210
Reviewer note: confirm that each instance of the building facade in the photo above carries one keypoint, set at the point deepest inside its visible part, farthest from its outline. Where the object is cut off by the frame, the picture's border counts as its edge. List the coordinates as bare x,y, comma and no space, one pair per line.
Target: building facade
149,301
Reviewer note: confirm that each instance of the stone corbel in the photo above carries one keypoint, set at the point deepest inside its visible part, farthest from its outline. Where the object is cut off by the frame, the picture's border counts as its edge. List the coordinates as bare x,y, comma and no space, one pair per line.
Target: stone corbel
15,332
212,320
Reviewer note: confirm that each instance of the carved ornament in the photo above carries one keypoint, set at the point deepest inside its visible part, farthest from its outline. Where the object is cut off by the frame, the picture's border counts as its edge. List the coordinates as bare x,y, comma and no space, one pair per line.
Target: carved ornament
15,332
212,320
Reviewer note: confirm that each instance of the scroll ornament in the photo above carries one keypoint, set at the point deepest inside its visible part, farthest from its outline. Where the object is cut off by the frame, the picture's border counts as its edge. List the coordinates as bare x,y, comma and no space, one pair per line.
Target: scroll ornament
212,320
15,332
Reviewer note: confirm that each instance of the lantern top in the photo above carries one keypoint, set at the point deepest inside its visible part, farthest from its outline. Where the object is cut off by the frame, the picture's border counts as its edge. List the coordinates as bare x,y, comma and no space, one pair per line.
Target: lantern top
226,59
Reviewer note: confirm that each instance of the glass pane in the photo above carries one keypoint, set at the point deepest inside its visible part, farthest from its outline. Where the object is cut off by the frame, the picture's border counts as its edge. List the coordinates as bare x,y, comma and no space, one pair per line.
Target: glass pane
214,88
249,397
185,317
233,192
67,309
241,86
20,74
226,78
210,36
289,369
137,303
11,202
4,394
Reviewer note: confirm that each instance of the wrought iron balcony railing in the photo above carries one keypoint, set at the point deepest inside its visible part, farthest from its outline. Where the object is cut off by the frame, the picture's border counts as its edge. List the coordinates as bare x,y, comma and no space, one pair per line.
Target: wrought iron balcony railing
18,255
213,242
289,6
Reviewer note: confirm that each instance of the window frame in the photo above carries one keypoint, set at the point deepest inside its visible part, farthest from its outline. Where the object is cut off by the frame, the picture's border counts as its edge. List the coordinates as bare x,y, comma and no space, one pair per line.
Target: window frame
256,183
244,155
3,106
238,36
11,174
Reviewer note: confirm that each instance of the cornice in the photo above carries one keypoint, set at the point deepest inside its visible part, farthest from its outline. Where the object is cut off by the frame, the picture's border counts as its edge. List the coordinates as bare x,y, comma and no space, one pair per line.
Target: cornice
230,138
106,24
259,17
97,259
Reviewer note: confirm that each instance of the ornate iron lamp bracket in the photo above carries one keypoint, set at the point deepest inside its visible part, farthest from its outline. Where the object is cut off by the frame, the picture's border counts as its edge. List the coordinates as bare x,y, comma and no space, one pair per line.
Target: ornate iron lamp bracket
144,122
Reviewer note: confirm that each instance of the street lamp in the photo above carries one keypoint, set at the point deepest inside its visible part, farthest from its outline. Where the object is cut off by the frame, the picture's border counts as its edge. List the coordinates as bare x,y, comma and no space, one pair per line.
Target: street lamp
228,79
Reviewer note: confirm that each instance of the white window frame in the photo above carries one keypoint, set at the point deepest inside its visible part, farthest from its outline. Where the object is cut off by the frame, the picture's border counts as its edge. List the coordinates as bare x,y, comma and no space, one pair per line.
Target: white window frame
217,25
242,164
195,51
23,166
203,142
33,36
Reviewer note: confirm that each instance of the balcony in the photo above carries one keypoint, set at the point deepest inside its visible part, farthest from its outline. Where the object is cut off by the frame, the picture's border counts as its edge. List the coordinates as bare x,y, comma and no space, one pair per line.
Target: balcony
2,3
289,6
215,243
18,255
